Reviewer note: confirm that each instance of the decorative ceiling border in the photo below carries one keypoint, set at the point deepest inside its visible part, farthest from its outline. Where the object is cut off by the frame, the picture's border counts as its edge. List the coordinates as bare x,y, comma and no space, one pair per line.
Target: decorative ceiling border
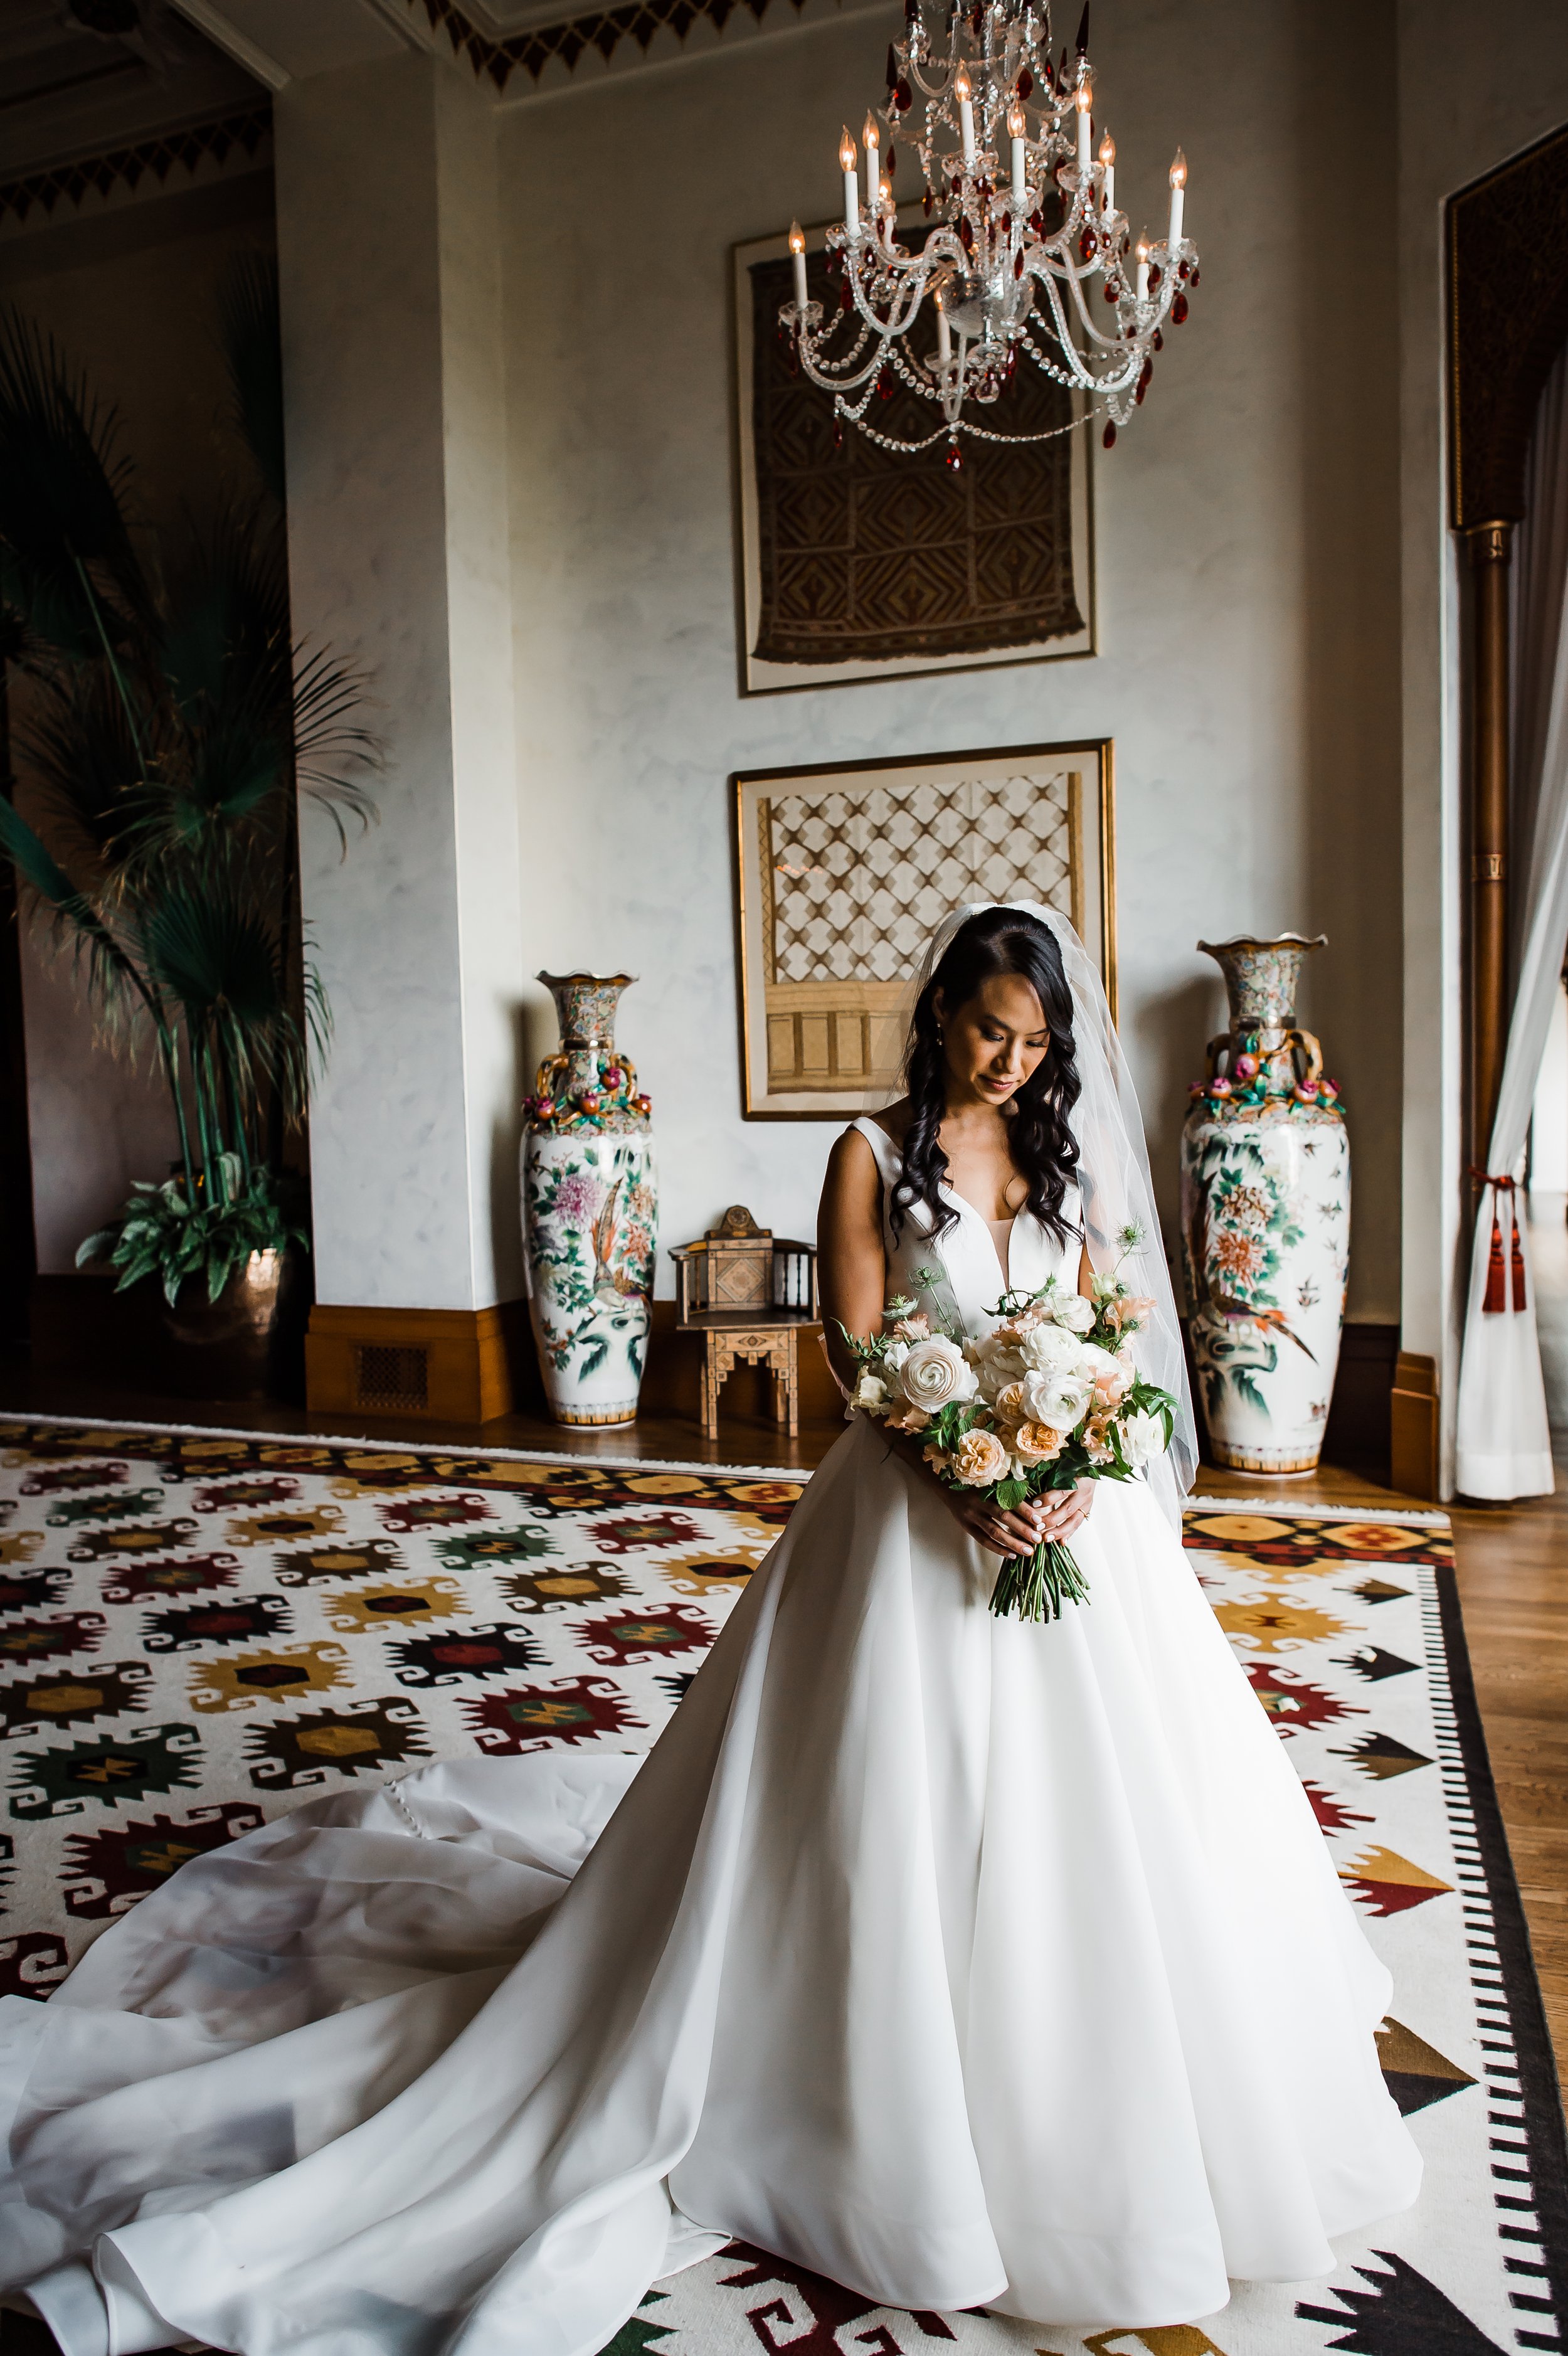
126,168
603,30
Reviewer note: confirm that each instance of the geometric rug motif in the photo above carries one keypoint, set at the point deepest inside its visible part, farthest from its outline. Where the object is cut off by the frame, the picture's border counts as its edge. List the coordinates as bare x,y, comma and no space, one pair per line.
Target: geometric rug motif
200,1630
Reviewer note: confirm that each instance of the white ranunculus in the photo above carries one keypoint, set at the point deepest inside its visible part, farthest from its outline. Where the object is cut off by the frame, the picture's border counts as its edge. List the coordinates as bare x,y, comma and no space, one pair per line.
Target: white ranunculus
1075,1311
871,1392
936,1372
1060,1398
1048,1346
1142,1438
1097,1363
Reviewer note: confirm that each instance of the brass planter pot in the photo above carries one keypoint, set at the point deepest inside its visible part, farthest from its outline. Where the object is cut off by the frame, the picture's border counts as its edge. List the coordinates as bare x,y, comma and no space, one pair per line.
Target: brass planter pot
249,1343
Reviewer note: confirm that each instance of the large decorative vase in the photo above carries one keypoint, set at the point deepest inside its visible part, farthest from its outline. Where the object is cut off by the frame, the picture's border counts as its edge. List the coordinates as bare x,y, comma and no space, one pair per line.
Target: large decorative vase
1266,1218
589,1209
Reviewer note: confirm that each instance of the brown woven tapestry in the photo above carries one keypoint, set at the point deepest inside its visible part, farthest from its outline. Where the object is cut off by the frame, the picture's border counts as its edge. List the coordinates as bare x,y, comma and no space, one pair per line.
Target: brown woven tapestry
867,554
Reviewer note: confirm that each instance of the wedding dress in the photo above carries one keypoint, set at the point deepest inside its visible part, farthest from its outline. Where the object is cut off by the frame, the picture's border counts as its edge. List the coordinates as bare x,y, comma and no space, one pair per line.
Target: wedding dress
964,1961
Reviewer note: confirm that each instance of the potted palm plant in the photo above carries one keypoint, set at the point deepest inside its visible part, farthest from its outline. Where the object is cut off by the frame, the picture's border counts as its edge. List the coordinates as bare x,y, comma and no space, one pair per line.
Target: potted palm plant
169,726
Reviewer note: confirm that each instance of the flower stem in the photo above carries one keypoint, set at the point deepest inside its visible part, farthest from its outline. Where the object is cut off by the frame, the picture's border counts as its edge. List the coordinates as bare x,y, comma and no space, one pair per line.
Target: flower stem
1036,1586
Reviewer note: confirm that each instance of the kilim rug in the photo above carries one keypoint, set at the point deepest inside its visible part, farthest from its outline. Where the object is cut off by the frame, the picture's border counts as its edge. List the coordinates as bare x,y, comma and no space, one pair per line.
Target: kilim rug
199,1630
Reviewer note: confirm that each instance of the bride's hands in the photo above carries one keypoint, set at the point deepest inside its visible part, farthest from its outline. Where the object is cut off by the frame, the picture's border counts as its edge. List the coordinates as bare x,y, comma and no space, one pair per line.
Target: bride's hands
1026,1526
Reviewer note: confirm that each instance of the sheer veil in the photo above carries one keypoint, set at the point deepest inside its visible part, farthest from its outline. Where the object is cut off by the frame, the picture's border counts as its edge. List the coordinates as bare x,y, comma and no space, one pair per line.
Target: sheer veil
1114,1175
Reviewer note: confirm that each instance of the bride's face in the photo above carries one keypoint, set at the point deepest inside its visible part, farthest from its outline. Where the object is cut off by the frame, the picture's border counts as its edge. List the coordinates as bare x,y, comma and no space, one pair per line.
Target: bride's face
994,1043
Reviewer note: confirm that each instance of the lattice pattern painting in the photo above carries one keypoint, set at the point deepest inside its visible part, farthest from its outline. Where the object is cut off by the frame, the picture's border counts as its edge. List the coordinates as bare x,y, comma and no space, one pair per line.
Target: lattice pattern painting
847,874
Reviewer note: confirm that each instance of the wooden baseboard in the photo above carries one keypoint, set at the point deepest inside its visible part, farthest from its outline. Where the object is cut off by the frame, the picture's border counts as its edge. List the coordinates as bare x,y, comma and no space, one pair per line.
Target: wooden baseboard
467,1365
454,1366
1413,1420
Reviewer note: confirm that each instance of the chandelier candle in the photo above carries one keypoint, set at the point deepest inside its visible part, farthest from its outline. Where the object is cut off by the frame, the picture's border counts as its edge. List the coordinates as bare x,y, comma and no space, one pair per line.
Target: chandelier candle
797,255
1023,222
851,187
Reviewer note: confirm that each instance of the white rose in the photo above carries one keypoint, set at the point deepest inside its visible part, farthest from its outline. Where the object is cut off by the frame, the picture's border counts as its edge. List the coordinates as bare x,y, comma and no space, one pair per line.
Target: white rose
1142,1438
1073,1311
1060,1398
936,1372
870,1391
894,1356
1048,1346
1099,1365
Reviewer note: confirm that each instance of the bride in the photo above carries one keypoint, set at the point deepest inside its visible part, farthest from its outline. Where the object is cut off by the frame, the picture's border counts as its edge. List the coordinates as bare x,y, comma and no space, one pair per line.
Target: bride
966,1961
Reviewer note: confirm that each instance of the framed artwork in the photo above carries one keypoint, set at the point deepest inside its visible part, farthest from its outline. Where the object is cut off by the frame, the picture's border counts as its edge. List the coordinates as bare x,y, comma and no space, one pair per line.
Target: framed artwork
843,872
857,561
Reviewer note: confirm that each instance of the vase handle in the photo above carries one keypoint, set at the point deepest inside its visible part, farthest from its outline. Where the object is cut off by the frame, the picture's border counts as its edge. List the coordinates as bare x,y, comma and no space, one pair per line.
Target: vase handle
1307,1044
1212,1053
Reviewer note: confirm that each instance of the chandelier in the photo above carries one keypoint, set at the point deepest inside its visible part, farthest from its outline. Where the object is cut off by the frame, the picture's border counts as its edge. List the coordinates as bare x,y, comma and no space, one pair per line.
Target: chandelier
1029,258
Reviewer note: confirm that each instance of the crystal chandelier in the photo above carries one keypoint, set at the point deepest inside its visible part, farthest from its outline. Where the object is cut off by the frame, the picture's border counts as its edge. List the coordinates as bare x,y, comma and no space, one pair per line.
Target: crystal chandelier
1028,256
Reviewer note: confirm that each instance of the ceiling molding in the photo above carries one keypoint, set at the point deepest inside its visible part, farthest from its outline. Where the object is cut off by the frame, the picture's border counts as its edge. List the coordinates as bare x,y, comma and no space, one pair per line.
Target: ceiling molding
121,171
235,44
601,31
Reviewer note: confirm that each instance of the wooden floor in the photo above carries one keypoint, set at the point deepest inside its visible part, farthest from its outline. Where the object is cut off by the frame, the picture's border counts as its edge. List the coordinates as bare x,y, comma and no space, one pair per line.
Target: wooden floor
1512,1572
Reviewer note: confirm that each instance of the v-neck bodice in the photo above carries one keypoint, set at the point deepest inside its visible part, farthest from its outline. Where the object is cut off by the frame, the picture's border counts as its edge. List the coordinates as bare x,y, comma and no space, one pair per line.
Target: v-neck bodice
979,1257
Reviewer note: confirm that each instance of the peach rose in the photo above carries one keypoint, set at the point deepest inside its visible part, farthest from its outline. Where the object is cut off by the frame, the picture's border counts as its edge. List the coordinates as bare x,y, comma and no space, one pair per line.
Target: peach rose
909,1418
1036,1443
979,1459
1010,1403
913,1329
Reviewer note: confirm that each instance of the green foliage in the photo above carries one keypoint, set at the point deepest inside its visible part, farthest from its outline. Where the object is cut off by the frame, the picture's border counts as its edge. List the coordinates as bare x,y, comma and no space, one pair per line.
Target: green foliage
161,1233
172,725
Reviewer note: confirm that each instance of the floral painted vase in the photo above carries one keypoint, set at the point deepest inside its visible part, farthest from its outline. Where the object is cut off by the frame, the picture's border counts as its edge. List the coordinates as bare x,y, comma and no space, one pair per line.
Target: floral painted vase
1266,1218
589,1209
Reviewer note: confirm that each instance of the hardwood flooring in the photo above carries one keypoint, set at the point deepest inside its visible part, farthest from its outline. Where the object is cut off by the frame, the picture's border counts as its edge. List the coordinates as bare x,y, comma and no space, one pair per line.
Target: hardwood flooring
1512,1566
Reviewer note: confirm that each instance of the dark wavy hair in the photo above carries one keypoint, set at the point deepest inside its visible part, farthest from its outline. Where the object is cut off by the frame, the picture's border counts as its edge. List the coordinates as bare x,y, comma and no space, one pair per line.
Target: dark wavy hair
998,941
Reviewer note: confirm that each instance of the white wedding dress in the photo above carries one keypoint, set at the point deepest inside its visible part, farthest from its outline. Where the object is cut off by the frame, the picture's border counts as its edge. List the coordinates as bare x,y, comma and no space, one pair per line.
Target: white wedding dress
964,1961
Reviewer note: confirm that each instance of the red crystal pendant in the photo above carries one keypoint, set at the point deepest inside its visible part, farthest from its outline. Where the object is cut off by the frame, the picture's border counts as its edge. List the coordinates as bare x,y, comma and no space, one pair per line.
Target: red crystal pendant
847,295
1109,437
1197,274
885,385
903,97
1019,263
837,431
954,459
1086,245
1111,290
1154,276
1144,382
1159,341
966,234
1025,83
927,201
1184,270
1178,311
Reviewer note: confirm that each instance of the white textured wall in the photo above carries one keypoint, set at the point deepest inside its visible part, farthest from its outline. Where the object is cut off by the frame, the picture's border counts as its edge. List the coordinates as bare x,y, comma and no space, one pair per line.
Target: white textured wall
1248,560
397,545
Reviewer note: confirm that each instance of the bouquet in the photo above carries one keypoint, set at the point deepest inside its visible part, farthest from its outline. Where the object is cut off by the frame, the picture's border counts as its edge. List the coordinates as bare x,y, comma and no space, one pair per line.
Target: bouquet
1049,1397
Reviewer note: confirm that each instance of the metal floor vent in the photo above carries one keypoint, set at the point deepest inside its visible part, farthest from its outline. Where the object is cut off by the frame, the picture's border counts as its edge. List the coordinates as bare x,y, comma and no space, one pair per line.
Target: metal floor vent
391,1375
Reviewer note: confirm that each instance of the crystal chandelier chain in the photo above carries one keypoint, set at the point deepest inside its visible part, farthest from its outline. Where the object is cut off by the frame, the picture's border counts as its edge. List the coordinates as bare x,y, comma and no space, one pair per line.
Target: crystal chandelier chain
1024,223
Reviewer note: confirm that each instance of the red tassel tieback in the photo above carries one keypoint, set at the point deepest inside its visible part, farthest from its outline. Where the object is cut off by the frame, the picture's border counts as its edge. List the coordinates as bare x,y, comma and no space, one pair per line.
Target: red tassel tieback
1499,1268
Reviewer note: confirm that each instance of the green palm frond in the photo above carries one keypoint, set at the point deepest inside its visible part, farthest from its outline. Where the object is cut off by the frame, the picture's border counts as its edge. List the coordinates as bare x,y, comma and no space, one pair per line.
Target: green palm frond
63,486
84,763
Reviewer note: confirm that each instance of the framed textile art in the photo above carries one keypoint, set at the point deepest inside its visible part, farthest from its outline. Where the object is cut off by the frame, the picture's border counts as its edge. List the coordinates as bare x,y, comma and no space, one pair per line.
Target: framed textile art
843,872
857,561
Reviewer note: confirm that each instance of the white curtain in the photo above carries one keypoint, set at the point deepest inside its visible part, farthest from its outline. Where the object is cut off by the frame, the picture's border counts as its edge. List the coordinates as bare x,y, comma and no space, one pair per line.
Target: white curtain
1504,1440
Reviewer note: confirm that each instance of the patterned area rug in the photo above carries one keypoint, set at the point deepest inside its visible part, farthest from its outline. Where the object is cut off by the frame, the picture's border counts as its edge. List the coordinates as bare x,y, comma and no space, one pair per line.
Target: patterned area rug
200,1630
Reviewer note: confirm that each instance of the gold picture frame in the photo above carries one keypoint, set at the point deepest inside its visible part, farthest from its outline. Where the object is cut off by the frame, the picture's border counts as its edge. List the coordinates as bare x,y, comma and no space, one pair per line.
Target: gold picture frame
843,869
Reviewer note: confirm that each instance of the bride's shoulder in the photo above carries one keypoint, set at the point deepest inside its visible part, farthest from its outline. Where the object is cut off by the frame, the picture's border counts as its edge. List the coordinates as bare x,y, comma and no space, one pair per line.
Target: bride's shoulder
862,1152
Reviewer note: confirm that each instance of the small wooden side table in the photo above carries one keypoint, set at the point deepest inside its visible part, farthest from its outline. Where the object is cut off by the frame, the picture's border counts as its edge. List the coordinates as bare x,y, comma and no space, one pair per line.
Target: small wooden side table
769,1339
748,1292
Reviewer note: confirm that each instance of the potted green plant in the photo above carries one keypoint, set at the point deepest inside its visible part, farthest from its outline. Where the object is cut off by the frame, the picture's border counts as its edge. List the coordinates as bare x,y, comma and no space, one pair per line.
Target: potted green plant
170,726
